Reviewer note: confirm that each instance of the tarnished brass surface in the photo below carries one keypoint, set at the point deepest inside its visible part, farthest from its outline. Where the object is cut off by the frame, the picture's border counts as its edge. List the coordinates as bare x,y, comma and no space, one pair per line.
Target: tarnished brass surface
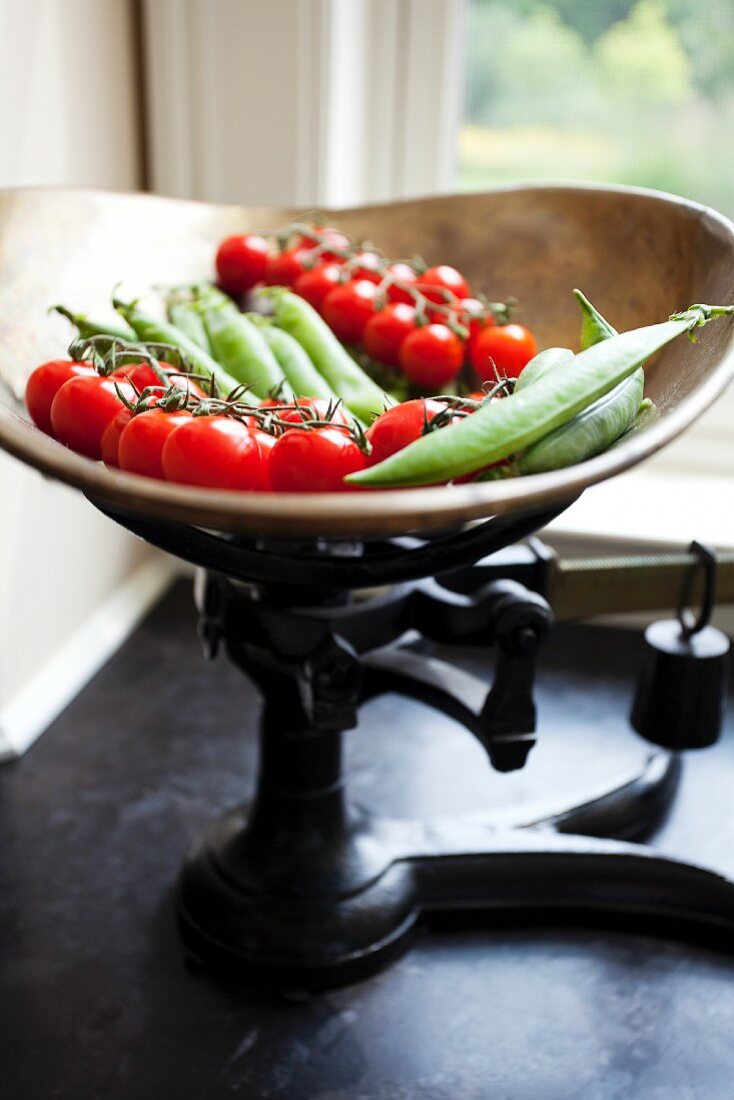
638,255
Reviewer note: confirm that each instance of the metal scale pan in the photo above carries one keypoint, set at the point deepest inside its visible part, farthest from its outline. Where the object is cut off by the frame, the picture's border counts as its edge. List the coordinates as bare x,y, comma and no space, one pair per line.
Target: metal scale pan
638,255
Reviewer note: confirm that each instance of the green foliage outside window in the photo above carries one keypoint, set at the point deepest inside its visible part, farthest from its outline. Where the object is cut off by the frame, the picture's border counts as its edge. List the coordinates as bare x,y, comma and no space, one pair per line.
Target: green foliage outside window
637,91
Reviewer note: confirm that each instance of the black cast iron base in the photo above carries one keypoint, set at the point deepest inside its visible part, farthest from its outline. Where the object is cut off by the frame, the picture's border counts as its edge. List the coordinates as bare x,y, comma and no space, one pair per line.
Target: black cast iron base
313,899
306,891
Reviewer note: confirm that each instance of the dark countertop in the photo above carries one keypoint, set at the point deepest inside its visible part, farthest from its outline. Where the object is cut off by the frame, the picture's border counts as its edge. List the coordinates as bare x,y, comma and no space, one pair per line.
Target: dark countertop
96,1000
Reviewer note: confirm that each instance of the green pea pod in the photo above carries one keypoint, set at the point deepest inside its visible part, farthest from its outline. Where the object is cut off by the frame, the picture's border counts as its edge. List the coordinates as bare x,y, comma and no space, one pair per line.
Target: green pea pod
543,361
88,326
187,318
594,327
596,428
302,376
154,331
505,427
243,350
346,378
209,292
589,433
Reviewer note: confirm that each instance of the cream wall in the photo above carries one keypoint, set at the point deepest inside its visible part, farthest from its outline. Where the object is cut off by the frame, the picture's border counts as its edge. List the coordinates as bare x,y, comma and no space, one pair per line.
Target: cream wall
69,94
69,118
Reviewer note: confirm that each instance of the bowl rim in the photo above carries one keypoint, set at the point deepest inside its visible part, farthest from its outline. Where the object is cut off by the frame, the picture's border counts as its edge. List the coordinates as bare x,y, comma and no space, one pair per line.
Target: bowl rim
376,513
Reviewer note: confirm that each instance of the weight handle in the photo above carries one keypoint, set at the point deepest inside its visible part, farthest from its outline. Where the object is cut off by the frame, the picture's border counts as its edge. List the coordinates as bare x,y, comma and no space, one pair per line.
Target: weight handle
705,560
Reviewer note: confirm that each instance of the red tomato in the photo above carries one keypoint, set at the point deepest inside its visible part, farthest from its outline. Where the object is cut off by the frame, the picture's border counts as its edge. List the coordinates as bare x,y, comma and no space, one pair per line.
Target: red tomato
386,330
406,275
82,409
468,312
265,442
141,443
241,262
111,437
476,318
214,451
510,347
348,308
366,265
284,268
315,284
43,385
431,356
314,408
323,234
447,278
314,461
143,376
399,426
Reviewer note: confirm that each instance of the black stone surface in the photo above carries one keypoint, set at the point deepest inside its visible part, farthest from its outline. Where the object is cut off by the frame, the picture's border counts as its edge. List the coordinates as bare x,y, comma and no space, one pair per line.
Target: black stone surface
96,1000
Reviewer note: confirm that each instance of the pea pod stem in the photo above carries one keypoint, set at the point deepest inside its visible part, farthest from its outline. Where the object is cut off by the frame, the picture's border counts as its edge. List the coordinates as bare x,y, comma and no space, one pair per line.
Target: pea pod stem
594,327
505,427
89,326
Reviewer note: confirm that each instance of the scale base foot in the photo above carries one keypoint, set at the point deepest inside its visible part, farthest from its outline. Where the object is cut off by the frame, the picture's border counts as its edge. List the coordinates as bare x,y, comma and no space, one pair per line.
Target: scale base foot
355,908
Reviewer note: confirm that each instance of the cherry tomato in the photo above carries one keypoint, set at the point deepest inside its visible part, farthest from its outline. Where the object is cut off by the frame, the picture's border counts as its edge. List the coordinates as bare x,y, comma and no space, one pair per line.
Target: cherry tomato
399,426
111,437
386,330
446,278
141,443
510,347
468,312
405,274
214,451
315,284
323,234
366,265
43,385
143,377
241,262
311,408
284,268
348,308
314,461
476,318
431,356
82,409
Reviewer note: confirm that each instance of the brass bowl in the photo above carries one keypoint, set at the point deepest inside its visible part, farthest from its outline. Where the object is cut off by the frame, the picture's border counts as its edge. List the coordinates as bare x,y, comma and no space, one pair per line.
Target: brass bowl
638,255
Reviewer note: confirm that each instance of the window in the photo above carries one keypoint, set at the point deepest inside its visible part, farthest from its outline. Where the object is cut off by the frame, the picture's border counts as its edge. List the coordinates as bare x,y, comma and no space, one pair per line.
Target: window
631,91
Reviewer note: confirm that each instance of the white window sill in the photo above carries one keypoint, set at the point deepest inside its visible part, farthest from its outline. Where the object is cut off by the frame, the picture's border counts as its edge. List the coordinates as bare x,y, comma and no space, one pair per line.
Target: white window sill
655,508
